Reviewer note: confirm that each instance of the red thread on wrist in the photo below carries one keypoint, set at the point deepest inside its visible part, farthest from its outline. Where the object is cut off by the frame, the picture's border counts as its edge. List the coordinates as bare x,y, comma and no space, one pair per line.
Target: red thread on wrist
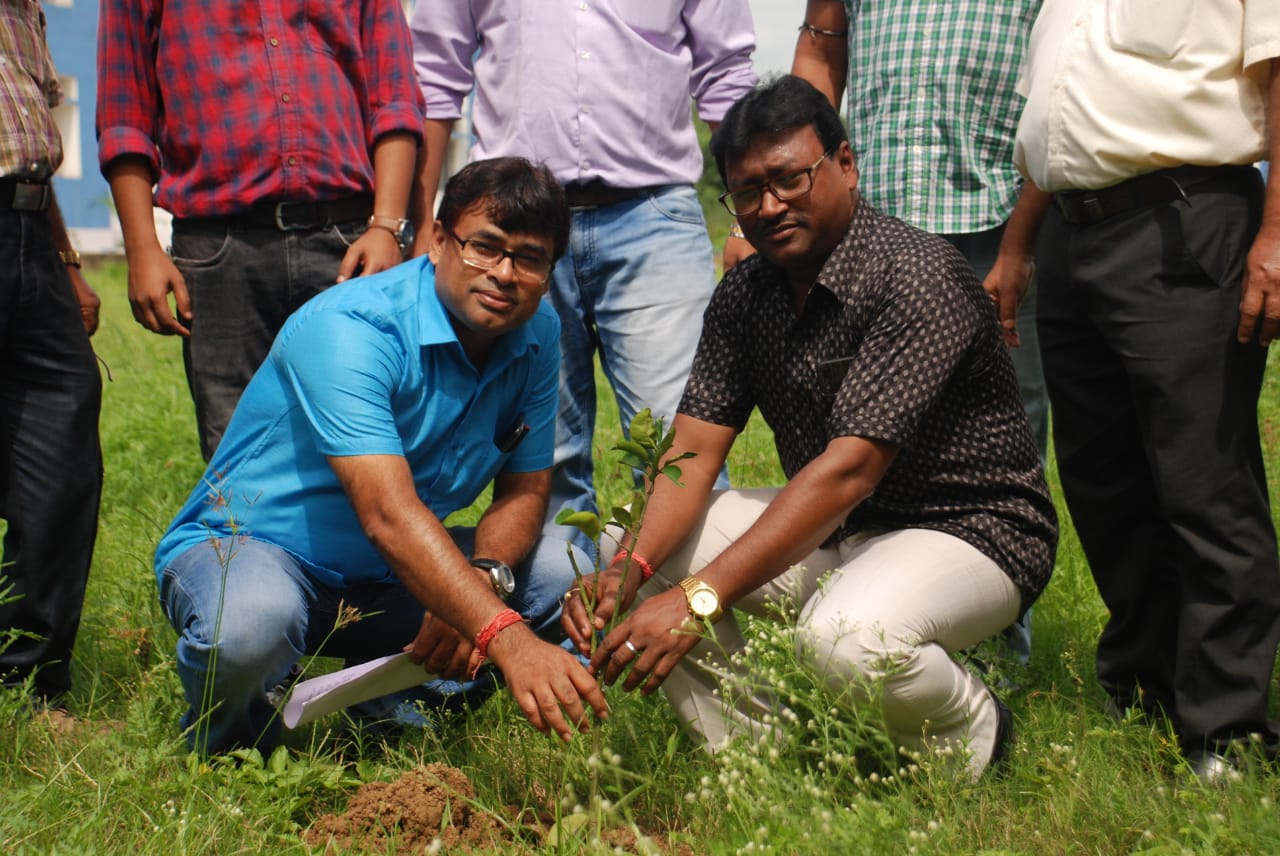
496,625
646,569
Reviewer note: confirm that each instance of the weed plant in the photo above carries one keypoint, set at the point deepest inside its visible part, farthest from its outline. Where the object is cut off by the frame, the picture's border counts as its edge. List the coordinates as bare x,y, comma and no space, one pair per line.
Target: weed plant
123,782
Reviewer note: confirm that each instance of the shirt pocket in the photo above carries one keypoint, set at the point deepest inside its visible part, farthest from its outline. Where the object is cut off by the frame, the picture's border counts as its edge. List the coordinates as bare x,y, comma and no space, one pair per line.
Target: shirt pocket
1150,28
653,16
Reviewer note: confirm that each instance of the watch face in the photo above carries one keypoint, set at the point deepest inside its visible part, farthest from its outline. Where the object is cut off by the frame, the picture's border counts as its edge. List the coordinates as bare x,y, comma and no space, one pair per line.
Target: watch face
503,580
704,602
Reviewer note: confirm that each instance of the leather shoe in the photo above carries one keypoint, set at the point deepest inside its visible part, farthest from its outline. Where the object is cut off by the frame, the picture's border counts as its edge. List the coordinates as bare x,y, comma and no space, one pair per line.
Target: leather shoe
1004,737
1211,768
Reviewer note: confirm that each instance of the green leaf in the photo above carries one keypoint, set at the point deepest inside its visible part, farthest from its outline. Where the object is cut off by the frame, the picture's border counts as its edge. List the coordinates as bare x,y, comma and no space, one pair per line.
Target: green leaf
673,472
622,516
584,521
631,447
642,427
279,761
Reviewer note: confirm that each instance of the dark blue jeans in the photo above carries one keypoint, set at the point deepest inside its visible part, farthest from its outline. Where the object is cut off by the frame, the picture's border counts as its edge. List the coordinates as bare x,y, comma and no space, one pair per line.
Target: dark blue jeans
244,281
50,459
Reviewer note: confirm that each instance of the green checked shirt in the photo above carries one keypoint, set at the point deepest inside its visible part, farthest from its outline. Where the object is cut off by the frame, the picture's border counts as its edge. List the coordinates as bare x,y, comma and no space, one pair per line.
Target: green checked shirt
932,107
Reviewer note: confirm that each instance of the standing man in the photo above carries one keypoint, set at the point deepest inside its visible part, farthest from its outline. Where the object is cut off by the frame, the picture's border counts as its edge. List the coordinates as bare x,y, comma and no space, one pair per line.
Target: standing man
385,405
933,107
50,389
1159,274
915,522
600,92
283,143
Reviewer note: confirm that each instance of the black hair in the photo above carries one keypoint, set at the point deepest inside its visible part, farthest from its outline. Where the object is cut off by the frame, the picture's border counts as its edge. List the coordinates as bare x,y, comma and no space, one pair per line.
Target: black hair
777,103
515,194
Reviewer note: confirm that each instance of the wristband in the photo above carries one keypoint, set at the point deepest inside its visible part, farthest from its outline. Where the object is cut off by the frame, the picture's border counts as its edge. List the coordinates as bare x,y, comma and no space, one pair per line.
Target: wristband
496,625
735,230
646,569
814,32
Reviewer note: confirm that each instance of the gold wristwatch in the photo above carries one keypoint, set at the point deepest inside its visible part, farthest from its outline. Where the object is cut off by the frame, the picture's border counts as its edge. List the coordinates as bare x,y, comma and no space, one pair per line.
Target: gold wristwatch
704,601
70,258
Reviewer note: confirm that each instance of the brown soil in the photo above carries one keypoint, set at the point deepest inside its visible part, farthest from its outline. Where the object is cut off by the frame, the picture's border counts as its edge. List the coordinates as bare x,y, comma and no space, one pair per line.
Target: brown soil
424,804
436,802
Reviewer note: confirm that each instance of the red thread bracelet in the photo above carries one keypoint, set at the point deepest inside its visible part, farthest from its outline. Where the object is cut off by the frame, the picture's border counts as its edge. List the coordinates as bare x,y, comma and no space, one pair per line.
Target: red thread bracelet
646,569
496,625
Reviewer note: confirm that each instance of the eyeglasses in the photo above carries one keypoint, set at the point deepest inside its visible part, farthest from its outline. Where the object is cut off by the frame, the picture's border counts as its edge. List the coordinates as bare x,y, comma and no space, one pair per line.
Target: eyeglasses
485,256
784,188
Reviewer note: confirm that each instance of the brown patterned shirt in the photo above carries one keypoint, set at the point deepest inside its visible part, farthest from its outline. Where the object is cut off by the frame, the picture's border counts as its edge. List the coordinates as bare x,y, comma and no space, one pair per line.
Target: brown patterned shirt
30,145
897,342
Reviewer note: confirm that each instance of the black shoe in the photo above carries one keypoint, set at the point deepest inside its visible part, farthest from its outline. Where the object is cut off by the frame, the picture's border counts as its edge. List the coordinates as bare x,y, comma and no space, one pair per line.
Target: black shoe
1212,768
1004,737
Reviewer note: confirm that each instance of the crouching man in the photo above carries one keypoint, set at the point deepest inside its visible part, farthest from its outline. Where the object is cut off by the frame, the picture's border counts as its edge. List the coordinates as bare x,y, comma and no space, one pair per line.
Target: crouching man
386,404
874,354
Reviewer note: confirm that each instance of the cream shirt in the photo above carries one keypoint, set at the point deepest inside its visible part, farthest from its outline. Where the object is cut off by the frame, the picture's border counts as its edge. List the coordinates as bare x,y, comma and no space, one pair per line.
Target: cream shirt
1117,88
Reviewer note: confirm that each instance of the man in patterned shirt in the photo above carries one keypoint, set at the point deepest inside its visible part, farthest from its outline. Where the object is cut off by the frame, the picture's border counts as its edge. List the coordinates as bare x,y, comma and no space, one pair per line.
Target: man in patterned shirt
50,390
872,351
933,107
284,146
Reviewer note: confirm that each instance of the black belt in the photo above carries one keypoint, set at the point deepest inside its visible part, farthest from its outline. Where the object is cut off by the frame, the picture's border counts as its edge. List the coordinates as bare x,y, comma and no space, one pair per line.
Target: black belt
25,195
288,216
1085,207
597,194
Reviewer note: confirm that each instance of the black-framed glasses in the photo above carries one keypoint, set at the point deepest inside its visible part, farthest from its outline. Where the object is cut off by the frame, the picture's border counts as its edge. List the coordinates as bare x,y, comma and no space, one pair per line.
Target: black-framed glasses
485,256
784,188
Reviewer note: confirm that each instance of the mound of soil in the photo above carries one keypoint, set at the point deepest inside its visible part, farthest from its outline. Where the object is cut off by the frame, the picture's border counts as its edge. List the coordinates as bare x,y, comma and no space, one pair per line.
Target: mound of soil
425,804
434,804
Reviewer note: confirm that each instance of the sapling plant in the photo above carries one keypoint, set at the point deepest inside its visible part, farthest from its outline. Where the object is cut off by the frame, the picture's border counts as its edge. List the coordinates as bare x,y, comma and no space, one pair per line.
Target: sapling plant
646,451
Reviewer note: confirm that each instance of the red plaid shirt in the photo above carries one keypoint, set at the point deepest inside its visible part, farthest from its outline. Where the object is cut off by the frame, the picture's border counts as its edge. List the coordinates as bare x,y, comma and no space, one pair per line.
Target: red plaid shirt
236,101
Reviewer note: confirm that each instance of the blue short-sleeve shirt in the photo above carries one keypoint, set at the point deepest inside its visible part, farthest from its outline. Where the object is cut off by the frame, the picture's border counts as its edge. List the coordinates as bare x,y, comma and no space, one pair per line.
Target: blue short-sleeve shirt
370,367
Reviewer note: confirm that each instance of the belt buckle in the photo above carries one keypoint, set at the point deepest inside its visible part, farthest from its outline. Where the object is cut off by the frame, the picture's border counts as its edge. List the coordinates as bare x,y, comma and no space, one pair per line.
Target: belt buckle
30,197
279,217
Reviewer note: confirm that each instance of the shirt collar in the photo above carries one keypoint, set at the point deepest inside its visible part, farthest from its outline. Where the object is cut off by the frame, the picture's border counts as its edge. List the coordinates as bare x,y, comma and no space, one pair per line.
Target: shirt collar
834,276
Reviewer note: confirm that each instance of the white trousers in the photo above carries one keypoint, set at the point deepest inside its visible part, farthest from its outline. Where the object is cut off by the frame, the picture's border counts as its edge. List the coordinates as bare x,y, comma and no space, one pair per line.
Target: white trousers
891,609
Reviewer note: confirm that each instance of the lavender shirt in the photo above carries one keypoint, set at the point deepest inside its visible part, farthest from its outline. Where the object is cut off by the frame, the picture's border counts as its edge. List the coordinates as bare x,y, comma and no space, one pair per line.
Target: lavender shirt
596,89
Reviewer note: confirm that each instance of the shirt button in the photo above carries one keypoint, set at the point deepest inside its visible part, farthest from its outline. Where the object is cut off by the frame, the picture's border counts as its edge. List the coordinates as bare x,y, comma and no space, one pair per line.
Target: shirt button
285,98
585,55
582,7
293,161
584,110
275,43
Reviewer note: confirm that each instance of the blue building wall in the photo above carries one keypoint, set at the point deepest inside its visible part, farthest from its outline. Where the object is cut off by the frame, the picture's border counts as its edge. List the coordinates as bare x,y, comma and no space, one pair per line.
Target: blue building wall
73,40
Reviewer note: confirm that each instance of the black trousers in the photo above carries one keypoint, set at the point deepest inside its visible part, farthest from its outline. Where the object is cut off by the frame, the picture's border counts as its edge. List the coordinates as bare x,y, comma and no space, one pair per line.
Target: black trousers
50,459
1156,432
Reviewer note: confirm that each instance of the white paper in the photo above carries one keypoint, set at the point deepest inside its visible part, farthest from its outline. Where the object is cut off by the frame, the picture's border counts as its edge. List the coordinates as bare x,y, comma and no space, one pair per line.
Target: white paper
314,698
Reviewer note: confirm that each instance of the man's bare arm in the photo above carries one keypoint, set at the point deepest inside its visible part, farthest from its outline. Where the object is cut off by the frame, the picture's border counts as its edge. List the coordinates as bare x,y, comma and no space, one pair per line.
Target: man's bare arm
435,145
546,681
394,158
1260,300
823,59
1015,262
152,274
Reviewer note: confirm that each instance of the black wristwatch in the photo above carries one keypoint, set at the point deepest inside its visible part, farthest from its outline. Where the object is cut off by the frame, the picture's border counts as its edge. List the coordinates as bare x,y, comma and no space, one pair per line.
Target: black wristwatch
500,576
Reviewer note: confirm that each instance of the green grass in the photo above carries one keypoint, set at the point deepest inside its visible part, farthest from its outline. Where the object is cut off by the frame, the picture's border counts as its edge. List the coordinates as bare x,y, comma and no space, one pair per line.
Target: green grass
123,783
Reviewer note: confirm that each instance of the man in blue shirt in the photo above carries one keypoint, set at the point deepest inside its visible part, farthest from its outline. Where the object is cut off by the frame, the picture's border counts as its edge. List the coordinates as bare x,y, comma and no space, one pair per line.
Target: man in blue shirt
385,405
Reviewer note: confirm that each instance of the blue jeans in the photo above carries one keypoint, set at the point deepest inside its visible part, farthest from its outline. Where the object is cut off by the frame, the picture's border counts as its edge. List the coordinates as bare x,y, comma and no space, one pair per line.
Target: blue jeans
632,287
244,282
50,459
237,641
